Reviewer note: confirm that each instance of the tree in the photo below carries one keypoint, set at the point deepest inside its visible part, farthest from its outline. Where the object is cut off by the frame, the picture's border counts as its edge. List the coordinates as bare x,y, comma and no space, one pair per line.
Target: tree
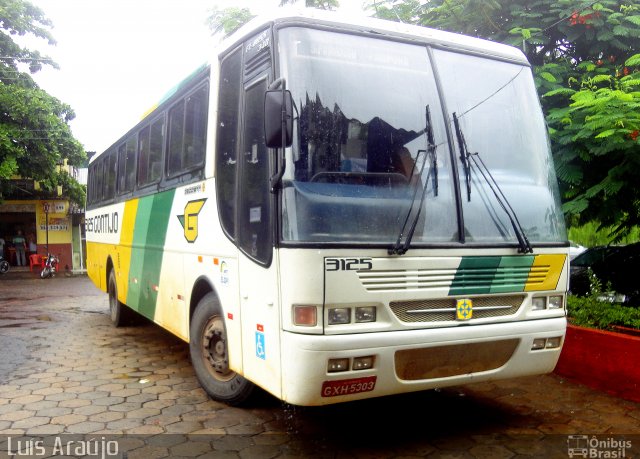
34,126
319,4
228,20
585,58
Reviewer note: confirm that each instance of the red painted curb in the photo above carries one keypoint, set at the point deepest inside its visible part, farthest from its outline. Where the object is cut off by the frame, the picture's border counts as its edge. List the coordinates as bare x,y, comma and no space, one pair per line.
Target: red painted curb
602,360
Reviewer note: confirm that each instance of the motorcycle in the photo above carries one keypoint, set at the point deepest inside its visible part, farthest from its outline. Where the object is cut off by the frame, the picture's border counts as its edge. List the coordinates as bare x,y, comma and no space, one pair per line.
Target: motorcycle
4,265
50,266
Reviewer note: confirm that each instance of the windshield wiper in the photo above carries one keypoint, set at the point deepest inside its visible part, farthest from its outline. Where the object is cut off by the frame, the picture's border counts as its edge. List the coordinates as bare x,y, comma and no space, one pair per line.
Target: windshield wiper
467,159
400,248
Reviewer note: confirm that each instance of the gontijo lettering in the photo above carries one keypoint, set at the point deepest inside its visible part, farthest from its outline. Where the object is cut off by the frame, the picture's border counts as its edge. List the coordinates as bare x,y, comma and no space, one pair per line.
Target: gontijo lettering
105,223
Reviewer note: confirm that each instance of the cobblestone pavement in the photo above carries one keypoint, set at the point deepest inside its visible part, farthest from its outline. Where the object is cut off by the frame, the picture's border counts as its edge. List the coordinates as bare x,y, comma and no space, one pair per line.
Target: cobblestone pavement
66,373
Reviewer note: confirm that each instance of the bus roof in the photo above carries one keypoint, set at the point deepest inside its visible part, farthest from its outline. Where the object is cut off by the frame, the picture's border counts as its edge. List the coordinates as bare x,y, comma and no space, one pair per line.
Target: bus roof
363,24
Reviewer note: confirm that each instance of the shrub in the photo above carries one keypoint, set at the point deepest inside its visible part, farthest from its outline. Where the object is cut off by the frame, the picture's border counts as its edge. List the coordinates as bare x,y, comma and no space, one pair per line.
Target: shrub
592,311
589,311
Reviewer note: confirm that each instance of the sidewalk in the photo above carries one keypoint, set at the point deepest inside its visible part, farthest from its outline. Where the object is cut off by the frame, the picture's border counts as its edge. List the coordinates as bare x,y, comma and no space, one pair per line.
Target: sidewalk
23,272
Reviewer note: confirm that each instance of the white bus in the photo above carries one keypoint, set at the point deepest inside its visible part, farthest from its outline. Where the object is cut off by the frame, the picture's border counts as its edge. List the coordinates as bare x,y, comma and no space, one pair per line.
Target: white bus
340,209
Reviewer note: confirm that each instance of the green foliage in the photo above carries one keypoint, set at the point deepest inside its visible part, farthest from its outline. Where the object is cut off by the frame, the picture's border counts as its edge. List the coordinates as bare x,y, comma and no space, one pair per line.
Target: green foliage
593,234
586,59
591,311
319,4
76,192
34,132
228,20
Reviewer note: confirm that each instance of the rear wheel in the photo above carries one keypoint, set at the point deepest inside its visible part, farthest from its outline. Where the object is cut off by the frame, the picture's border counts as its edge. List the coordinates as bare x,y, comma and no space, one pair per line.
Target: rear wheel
210,355
4,266
120,314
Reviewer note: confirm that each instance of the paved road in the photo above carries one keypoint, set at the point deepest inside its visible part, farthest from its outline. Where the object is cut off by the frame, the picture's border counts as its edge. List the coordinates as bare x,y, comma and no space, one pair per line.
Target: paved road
65,370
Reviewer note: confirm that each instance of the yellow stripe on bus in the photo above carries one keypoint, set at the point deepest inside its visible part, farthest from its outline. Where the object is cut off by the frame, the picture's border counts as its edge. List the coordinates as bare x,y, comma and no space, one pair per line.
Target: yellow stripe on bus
126,239
545,272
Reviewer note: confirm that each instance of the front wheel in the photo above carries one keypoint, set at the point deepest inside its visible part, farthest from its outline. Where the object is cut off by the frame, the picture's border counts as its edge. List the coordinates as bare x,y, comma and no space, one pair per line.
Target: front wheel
120,314
4,266
46,272
210,355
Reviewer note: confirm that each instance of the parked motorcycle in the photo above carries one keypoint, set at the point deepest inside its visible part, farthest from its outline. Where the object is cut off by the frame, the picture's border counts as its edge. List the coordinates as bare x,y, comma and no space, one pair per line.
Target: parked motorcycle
50,266
4,265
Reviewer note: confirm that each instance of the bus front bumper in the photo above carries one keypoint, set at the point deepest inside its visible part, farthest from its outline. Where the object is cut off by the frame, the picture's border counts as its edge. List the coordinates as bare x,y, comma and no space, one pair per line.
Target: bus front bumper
415,360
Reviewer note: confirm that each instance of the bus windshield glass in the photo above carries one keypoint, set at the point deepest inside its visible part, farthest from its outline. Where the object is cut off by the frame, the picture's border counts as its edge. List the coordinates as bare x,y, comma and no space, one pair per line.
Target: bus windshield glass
359,160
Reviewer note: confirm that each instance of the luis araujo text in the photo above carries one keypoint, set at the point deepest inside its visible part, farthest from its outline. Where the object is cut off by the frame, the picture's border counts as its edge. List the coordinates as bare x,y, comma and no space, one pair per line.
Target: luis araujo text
59,446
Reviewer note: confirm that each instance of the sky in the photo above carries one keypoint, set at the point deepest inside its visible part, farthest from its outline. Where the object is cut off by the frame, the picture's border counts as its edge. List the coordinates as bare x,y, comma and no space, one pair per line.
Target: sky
118,58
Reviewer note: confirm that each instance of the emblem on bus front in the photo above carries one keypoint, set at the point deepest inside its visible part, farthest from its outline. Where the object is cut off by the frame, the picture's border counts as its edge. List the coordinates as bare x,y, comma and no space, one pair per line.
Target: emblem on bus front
464,309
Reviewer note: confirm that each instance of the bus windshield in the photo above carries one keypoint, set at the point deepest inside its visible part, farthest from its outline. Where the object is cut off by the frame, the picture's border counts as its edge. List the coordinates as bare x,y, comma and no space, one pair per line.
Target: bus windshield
360,144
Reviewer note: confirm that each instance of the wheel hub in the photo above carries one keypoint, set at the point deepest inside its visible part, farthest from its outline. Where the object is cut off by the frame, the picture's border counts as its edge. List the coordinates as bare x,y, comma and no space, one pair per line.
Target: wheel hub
215,347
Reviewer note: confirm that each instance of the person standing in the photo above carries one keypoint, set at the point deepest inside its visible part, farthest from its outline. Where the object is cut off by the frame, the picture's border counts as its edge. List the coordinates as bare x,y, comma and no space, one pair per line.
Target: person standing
20,245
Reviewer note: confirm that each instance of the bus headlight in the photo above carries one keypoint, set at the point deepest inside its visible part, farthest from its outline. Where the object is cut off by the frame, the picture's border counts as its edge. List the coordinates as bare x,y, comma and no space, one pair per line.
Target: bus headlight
339,316
538,303
366,314
555,302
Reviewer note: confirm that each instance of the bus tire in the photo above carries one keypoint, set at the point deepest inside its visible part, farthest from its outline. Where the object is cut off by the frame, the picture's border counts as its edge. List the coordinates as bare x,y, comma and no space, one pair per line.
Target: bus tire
210,355
120,314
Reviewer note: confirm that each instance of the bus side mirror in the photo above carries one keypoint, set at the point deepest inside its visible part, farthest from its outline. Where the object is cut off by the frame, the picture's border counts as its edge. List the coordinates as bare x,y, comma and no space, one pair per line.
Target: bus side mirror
278,115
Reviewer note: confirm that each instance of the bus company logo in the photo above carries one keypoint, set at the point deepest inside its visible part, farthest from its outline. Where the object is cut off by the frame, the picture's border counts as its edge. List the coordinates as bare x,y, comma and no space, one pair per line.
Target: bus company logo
101,224
464,309
189,220
583,446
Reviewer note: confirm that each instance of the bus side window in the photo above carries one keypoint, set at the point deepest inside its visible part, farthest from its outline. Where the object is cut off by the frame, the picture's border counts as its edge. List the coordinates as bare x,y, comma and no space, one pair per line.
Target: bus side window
99,179
131,163
90,185
195,128
176,136
122,164
143,155
254,213
156,168
187,133
227,139
110,174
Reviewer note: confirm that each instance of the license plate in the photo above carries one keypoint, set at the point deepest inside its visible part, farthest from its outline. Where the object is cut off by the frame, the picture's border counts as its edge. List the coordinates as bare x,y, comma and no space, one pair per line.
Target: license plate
348,386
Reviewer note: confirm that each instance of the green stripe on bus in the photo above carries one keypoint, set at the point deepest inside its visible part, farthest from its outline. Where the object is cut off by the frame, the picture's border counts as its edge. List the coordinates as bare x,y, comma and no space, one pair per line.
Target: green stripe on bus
512,274
483,275
149,236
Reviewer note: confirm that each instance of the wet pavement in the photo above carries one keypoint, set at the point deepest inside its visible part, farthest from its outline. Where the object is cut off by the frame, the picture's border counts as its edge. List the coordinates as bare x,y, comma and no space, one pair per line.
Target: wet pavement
67,375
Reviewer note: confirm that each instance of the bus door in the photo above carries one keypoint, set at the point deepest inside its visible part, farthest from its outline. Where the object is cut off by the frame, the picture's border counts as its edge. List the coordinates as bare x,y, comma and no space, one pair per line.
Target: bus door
257,264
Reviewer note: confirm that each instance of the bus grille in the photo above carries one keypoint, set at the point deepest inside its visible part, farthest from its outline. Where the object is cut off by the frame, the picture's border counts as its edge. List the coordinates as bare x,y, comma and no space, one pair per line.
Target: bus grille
468,279
444,309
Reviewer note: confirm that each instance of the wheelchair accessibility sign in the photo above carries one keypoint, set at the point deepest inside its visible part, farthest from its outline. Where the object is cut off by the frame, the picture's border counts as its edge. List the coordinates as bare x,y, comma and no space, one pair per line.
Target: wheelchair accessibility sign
260,349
